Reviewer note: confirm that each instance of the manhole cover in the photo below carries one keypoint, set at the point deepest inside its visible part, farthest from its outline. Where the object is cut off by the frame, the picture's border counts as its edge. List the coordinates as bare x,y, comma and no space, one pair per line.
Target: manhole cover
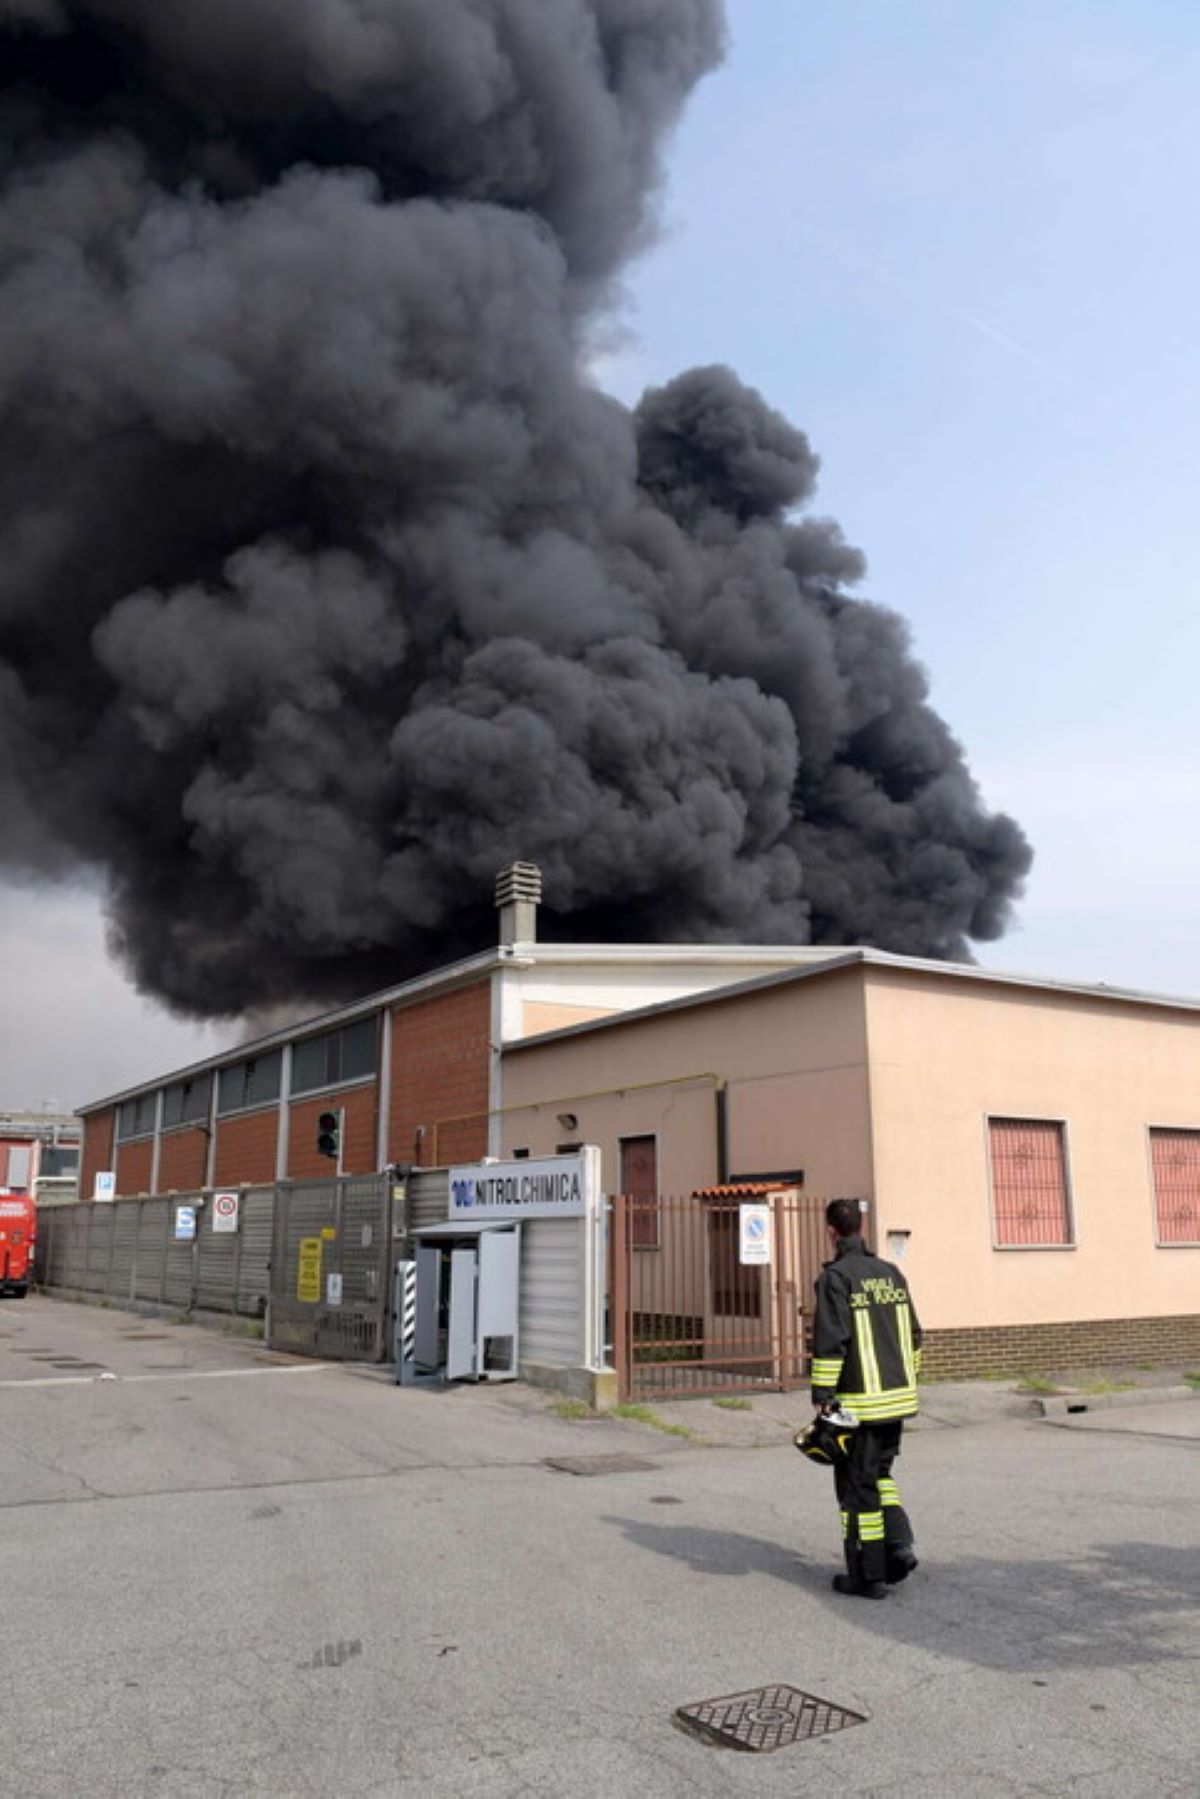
765,1718
598,1464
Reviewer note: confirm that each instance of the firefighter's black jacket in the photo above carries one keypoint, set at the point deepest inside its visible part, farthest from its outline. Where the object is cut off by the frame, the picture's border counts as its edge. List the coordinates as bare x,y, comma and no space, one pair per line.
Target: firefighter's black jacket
867,1340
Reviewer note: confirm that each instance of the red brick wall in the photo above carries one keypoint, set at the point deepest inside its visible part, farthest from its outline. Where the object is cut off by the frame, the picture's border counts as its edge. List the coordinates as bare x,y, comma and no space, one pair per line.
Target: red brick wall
440,1070
182,1160
246,1148
359,1156
133,1166
97,1156
1033,1348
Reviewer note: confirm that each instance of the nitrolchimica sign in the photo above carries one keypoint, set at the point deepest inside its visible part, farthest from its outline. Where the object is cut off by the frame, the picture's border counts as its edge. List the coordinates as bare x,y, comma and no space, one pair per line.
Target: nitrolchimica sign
553,1188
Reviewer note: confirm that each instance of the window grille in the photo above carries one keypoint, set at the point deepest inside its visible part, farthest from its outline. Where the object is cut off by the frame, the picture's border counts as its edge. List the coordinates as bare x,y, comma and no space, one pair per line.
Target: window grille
1030,1198
1175,1163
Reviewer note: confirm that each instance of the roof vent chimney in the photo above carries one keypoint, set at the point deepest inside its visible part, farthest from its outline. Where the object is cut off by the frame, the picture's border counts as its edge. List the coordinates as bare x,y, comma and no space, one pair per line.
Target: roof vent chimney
518,894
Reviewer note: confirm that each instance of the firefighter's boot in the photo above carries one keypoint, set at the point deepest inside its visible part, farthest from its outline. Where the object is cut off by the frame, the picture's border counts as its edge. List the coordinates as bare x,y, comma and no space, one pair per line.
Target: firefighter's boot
897,1534
863,1578
859,1589
900,1563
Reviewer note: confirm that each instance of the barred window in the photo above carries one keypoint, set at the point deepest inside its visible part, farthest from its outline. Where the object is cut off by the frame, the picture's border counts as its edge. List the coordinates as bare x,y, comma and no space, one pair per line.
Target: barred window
1030,1195
1175,1165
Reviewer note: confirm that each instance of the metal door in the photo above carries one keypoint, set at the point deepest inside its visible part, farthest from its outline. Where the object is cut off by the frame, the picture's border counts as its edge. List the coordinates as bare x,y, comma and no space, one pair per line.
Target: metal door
462,1339
499,1303
427,1343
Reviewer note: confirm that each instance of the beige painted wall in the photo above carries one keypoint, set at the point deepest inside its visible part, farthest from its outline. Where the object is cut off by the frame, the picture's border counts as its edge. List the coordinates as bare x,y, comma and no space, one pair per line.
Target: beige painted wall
794,1058
549,1015
947,1053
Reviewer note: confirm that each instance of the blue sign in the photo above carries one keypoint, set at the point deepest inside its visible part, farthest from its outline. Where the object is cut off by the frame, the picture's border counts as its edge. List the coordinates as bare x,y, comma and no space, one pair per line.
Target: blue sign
185,1223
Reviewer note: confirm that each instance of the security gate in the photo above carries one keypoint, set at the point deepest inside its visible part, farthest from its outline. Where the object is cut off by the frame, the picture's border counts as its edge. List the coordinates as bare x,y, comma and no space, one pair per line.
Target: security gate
694,1311
331,1268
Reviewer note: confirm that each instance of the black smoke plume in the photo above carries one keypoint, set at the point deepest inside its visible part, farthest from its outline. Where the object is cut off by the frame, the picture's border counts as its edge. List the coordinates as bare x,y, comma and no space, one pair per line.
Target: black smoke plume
328,584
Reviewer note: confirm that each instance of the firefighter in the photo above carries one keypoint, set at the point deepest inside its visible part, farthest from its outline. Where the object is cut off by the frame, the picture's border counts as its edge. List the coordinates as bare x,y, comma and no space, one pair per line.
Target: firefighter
866,1359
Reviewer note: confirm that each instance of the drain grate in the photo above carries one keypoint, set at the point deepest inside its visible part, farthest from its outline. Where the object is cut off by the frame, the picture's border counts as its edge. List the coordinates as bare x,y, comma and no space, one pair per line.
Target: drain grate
598,1464
765,1718
72,1366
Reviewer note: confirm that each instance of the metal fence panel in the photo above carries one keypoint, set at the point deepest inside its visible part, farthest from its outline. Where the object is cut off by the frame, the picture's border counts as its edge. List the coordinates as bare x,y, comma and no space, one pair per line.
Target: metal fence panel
330,1268
124,1252
152,1225
99,1246
254,1270
689,1315
128,1251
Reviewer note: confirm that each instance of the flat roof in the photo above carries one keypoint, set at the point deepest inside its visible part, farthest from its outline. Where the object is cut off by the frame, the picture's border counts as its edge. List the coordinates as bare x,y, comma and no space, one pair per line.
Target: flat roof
833,961
809,962
514,955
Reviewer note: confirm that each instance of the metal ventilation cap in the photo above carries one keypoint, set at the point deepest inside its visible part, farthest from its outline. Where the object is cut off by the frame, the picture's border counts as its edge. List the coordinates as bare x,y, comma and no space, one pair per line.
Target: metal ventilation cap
518,893
519,881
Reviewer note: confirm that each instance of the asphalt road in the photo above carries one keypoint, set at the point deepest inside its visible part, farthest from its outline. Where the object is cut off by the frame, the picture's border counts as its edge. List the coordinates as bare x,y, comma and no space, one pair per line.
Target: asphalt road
226,1573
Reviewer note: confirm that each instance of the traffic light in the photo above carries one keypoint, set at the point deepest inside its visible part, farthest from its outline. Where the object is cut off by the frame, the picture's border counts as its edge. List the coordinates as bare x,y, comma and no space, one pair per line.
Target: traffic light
329,1134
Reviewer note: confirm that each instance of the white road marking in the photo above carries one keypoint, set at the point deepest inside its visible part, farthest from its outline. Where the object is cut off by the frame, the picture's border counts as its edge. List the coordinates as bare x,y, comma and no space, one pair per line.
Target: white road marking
90,1380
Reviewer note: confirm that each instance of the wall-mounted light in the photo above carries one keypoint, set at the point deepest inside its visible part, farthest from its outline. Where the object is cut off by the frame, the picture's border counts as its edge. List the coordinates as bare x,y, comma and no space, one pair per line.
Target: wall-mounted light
568,1121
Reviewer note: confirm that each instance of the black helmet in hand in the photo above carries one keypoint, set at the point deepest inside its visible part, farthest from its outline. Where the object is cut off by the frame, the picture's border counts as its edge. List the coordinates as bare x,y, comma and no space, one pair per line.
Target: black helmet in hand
827,1438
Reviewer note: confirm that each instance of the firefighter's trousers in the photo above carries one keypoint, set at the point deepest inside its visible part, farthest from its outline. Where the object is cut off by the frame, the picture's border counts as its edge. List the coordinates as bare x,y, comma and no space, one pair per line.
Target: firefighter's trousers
874,1523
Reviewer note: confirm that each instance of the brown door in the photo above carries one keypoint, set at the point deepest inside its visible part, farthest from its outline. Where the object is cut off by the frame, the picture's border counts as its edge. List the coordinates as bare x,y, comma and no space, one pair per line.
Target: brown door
639,1180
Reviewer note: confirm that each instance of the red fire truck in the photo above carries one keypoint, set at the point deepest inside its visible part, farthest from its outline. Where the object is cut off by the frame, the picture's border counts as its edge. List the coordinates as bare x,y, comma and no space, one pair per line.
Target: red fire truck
18,1239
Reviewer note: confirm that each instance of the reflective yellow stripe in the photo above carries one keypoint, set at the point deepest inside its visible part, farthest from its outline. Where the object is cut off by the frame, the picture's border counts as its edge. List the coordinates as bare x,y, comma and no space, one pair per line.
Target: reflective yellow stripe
827,1371
917,1353
866,1351
888,1492
897,1402
904,1323
845,1524
870,1527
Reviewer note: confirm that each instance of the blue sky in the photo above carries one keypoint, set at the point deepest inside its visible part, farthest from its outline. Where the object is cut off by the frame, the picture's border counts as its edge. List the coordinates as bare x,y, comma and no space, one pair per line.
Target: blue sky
956,243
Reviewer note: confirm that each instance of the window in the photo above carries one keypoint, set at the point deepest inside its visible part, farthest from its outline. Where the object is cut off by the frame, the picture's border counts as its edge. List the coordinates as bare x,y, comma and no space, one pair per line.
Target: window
136,1117
20,1166
345,1055
187,1102
254,1082
639,1180
60,1159
1175,1165
1030,1198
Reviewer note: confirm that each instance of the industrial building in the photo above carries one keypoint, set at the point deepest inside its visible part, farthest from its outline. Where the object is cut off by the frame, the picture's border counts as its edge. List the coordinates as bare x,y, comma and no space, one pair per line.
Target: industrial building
39,1156
1029,1149
416,1072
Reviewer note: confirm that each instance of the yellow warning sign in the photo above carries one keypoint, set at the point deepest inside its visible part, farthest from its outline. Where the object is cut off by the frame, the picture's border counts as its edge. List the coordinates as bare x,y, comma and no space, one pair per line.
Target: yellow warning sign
328,1232
308,1279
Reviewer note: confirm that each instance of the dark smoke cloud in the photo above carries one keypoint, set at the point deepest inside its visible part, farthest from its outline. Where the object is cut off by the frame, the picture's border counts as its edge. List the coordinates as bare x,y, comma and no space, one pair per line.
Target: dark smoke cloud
328,584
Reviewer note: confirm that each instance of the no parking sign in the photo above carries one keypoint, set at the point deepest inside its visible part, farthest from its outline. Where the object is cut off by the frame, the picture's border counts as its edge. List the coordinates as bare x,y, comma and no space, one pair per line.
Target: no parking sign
225,1212
754,1250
